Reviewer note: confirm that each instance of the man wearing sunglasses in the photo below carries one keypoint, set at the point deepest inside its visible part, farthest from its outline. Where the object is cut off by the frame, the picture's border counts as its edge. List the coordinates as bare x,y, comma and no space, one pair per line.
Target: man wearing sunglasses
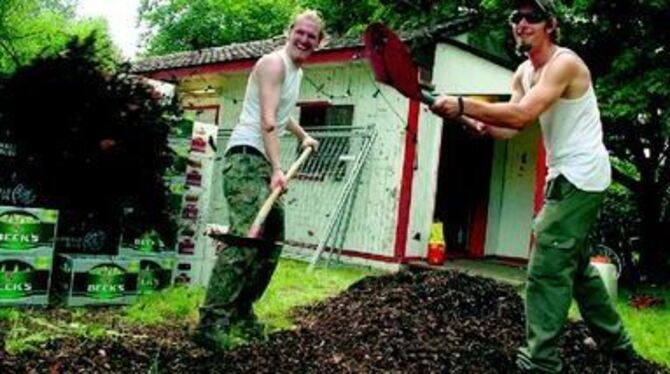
554,86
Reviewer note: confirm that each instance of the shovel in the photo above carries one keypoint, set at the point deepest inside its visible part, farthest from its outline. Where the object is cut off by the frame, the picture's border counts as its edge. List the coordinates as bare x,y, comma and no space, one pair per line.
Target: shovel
253,237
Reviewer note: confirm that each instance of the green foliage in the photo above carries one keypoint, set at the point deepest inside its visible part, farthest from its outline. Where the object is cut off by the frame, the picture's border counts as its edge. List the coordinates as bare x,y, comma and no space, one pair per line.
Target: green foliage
98,142
183,25
30,28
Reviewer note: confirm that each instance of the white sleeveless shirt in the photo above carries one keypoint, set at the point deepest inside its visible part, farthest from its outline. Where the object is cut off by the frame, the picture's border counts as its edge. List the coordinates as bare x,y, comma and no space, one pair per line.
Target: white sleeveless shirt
248,130
573,137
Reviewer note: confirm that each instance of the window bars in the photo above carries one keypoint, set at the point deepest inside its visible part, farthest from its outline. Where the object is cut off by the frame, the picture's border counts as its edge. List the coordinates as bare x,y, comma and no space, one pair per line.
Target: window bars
320,198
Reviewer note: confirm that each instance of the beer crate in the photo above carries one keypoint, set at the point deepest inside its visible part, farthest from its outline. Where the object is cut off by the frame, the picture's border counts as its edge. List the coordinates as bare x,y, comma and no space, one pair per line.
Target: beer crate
24,280
27,231
144,244
95,280
155,271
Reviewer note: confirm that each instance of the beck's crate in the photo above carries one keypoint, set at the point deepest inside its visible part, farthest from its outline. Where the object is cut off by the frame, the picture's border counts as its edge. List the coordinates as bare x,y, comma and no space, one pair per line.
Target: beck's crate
155,272
95,280
24,280
144,244
27,231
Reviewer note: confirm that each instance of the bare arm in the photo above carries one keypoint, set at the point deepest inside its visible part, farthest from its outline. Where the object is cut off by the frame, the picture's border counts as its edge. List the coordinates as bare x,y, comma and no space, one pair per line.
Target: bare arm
492,130
294,128
547,91
269,74
305,139
518,115
497,132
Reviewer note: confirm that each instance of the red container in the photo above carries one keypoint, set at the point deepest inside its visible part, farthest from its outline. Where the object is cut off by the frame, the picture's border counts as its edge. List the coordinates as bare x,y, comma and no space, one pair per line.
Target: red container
436,253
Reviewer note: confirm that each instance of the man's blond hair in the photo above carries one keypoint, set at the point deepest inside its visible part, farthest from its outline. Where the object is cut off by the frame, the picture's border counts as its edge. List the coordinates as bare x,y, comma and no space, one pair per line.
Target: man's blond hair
314,16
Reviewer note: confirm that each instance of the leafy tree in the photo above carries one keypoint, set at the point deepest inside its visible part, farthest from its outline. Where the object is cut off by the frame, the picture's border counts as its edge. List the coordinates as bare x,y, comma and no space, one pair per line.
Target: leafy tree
184,25
89,139
29,28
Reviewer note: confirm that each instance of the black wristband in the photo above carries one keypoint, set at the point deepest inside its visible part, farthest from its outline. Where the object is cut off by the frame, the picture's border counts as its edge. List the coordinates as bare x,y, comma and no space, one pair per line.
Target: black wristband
461,106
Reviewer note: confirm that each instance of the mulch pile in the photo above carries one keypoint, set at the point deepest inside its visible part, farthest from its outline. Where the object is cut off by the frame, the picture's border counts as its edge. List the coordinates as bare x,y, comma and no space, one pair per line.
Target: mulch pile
407,322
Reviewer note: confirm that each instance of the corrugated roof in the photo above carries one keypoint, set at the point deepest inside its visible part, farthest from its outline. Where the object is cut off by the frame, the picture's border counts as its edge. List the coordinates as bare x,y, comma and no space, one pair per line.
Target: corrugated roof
255,49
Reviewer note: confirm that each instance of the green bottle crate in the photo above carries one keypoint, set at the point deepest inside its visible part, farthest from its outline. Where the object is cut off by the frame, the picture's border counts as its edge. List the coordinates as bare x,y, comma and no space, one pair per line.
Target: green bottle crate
24,280
155,272
27,231
143,244
95,280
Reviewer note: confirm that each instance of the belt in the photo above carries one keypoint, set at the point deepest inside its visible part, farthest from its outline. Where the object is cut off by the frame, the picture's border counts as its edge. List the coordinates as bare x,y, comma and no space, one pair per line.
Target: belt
244,149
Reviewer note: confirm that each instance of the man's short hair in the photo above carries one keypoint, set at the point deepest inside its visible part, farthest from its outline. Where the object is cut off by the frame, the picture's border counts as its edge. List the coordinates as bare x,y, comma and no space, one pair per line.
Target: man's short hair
314,16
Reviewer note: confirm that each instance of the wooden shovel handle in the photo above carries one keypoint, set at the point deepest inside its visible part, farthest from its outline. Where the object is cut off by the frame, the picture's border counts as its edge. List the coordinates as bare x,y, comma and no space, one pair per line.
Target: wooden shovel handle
254,231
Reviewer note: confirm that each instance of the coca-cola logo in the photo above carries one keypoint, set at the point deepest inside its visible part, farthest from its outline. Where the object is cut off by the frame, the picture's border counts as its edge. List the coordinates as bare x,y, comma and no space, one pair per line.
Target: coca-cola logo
94,240
7,149
18,195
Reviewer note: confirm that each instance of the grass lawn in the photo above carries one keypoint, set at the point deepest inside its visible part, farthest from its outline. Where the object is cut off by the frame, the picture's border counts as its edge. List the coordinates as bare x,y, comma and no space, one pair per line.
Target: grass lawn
649,328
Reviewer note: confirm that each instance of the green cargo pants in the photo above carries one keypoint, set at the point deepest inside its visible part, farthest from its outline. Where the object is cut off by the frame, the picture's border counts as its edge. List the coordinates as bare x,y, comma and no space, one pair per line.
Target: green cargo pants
241,274
559,270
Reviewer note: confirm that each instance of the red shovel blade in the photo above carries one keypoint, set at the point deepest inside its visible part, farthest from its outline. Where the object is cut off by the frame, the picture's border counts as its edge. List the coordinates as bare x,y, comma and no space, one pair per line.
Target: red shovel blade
391,61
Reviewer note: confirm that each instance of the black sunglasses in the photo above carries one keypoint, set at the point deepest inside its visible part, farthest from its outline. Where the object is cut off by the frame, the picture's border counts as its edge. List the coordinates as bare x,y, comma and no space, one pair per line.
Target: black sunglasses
531,17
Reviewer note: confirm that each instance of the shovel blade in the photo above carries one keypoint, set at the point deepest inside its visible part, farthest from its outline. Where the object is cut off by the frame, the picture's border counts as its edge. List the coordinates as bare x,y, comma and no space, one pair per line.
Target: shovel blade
241,241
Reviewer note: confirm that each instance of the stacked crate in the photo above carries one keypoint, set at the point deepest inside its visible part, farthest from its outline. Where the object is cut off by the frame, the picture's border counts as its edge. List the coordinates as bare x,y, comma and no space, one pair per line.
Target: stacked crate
154,260
140,265
27,238
195,251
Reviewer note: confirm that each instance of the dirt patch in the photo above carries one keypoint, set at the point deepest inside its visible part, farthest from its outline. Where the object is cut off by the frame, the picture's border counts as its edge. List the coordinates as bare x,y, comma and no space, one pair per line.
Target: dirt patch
408,322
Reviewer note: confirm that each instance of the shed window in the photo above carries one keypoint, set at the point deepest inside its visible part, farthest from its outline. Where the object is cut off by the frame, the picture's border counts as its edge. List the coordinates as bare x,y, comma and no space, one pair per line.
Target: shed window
328,162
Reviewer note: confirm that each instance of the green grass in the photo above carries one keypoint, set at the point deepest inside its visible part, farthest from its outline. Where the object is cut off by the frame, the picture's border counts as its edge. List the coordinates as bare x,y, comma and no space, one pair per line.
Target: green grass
649,328
174,304
293,286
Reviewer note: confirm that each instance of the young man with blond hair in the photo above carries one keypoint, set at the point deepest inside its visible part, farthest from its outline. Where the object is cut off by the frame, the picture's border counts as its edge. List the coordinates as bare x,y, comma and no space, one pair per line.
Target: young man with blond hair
251,169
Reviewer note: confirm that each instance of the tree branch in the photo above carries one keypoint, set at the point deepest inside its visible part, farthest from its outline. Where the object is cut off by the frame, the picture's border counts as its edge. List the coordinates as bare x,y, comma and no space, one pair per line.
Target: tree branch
664,178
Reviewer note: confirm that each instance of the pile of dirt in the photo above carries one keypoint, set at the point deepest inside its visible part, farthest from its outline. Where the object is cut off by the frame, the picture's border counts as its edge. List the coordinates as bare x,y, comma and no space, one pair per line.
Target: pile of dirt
407,322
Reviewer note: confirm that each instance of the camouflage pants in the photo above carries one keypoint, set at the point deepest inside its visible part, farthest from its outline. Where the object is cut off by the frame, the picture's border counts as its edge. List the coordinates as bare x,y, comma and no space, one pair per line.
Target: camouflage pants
241,274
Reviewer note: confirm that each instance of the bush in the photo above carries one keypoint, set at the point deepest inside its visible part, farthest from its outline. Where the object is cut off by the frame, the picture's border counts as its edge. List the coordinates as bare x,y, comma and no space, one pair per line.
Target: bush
88,138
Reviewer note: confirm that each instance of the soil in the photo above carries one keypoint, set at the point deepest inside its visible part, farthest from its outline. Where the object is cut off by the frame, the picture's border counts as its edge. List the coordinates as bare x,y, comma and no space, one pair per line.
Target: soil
407,322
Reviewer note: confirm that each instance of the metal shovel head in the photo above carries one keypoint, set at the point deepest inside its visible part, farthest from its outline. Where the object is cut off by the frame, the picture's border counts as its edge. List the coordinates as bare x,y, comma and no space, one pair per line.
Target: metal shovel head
241,241
391,61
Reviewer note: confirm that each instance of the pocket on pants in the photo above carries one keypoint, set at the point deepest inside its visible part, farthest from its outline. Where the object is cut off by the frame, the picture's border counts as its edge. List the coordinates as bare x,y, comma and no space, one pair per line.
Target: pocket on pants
547,240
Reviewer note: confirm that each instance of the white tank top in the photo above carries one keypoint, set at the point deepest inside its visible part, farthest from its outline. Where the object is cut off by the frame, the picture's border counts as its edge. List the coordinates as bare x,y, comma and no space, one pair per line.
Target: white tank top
573,138
248,130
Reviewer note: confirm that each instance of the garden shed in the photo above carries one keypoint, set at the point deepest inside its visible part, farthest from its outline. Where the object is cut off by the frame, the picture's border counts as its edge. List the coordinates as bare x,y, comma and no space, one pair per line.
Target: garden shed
387,168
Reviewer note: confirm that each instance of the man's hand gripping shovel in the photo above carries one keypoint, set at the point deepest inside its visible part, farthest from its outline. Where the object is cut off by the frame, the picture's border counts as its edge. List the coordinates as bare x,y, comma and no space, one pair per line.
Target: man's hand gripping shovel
253,237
